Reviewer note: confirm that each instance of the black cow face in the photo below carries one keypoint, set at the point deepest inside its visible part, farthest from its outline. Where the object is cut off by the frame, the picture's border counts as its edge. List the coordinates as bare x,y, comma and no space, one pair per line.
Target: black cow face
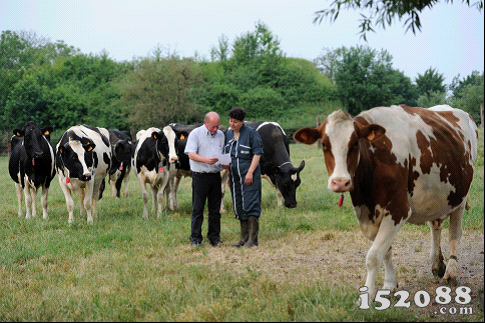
287,182
33,137
162,143
69,156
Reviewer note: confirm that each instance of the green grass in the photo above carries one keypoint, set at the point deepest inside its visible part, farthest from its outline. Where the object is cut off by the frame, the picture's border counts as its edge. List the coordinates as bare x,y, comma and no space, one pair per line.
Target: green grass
125,268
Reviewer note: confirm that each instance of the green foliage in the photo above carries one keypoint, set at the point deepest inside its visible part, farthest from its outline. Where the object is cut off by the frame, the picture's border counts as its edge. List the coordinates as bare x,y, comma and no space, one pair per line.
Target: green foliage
431,81
158,92
470,96
432,98
384,12
365,78
262,101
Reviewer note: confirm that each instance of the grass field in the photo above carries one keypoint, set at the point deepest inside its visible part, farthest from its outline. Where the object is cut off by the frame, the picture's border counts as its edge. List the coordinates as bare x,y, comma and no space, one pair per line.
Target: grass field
308,266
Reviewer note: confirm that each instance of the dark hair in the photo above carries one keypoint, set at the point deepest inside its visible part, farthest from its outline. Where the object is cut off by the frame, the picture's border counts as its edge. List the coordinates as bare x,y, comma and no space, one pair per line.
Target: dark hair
237,113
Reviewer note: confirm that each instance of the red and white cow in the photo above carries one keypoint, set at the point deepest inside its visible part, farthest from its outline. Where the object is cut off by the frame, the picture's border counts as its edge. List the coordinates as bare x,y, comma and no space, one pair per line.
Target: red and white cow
401,164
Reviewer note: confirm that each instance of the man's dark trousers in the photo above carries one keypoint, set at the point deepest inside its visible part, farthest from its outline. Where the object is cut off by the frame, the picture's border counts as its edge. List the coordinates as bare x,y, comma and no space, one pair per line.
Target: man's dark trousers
206,186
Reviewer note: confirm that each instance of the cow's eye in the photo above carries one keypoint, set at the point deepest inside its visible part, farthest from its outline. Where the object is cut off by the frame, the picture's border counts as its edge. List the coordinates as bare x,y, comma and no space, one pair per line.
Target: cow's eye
73,157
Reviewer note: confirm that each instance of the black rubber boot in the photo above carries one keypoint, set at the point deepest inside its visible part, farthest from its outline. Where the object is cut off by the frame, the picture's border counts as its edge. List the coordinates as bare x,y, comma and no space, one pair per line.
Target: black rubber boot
244,233
253,231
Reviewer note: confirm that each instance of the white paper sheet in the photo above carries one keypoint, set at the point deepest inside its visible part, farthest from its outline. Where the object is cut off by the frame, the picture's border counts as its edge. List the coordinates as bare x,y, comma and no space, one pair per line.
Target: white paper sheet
224,159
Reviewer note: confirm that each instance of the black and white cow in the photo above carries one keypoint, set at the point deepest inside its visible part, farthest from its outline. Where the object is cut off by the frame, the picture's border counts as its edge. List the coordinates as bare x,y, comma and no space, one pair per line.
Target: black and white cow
122,149
181,163
31,165
150,164
83,159
275,163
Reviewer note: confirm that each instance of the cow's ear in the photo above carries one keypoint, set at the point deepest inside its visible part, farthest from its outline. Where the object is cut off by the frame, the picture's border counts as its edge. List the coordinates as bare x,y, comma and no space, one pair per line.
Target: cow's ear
307,135
47,130
89,146
18,132
369,132
302,165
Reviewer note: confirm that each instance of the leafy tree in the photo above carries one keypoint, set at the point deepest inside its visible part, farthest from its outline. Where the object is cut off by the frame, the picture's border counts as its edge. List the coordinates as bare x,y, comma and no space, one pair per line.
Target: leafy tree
365,78
432,98
457,86
431,81
470,97
157,93
384,12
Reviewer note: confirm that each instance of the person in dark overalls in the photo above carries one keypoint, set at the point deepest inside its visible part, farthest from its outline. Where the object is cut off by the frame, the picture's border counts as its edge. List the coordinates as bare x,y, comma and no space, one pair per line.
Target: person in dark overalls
246,147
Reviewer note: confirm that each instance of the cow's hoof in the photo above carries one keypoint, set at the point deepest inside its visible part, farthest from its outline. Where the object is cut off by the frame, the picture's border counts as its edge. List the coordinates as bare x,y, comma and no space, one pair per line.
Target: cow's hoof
440,272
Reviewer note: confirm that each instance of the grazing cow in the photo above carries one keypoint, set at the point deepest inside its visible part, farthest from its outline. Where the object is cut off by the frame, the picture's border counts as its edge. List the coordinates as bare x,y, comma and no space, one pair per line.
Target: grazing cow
401,164
83,158
122,149
150,164
31,165
275,163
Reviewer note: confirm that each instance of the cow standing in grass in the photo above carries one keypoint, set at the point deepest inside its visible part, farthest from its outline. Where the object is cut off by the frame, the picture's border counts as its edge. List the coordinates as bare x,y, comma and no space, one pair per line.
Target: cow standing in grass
83,159
31,165
122,150
401,164
150,164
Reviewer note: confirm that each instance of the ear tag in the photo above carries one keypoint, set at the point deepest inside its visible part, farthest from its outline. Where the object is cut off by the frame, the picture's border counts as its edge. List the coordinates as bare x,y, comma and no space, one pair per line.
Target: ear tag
341,200
120,168
68,180
33,162
160,170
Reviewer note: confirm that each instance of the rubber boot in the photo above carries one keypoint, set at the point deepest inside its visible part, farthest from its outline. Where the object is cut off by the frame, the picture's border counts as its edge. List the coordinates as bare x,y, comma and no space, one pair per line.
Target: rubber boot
253,231
244,233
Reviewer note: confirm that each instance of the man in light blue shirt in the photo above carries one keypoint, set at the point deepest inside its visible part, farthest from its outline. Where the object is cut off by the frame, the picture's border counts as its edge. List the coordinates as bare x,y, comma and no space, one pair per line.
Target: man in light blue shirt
203,144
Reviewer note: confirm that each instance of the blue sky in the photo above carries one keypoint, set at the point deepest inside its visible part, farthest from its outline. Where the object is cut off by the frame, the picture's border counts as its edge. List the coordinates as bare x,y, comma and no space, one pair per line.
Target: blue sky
451,40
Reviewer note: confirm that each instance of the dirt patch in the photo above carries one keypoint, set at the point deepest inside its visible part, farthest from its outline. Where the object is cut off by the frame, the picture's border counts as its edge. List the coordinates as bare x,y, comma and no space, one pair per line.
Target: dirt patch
338,259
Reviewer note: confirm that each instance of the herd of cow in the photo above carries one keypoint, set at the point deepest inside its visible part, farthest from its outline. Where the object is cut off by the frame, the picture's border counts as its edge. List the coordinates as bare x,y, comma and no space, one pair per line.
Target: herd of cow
399,164
85,155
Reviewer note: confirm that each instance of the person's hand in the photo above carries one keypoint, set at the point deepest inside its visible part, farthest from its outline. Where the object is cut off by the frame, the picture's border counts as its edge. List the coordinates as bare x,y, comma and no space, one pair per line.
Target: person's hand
248,180
212,160
225,166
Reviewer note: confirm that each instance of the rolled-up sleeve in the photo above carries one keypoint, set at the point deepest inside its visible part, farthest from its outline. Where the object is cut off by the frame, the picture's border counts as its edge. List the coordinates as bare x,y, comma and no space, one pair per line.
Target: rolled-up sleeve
256,143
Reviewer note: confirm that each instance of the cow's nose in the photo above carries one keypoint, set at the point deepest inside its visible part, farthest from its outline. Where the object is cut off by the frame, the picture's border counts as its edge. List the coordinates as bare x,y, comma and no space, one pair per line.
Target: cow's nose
173,160
340,185
291,205
86,177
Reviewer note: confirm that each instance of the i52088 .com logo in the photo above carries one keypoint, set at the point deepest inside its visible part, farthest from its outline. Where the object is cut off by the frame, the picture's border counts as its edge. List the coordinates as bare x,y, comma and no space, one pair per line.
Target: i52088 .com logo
447,304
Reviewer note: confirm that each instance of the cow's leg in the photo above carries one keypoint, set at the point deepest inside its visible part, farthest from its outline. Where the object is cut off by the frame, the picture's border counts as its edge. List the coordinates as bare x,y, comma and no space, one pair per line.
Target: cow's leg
69,200
144,194
159,197
20,193
94,199
379,249
118,183
43,200
175,190
390,279
88,202
28,201
224,178
126,180
455,229
81,201
112,183
167,192
33,194
279,197
436,257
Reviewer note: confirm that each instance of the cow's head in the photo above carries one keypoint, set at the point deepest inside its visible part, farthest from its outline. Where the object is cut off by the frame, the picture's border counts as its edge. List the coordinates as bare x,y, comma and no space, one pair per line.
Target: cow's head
161,145
341,138
180,143
33,136
287,181
123,151
78,158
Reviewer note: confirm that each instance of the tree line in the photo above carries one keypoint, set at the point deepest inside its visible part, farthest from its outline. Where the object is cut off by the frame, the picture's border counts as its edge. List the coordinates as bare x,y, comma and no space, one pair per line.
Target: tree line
56,84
